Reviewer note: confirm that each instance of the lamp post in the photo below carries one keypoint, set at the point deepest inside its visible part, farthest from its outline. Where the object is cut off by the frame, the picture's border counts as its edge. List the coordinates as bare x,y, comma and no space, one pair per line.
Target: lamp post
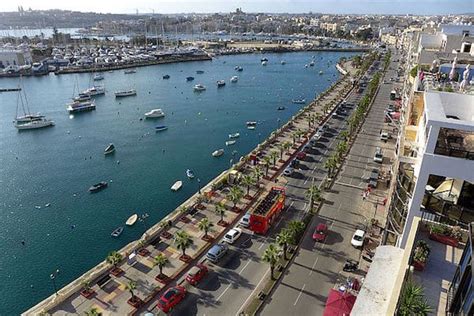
53,277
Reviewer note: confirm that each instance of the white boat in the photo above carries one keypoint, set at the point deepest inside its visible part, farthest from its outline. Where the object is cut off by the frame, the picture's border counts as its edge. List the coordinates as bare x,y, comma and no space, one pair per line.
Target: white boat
190,173
28,120
218,153
264,63
220,83
117,232
306,66
125,93
78,106
320,72
155,113
82,97
311,64
98,77
299,101
130,71
177,185
131,220
235,135
238,68
230,142
234,79
199,87
251,123
251,127
283,62
94,90
161,128
34,124
109,149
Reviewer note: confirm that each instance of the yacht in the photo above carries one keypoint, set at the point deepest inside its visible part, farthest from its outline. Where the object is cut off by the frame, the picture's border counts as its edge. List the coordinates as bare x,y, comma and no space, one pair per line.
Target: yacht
130,71
98,187
161,128
125,93
234,79
155,113
220,83
94,90
109,149
177,185
82,97
98,77
34,124
28,120
199,87
117,232
235,135
218,153
189,78
190,173
230,142
81,106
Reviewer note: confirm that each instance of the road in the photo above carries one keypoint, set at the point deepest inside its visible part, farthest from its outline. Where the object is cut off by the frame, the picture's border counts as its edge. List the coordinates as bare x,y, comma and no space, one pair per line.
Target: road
318,267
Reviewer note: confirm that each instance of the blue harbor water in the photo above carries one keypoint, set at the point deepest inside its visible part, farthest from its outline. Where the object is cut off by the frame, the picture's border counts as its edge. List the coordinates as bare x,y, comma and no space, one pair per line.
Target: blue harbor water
57,165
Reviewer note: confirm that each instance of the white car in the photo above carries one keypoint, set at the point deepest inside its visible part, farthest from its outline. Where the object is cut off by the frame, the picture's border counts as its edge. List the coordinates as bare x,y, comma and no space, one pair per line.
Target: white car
245,220
288,171
232,235
358,238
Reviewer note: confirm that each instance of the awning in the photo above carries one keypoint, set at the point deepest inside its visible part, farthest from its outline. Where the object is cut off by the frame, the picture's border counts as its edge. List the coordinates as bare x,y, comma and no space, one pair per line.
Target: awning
339,303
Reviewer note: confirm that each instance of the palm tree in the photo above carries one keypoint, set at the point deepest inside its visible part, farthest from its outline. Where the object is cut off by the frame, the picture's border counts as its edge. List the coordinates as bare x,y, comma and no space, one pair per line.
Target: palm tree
283,239
344,135
299,133
183,241
220,210
132,286
296,228
248,181
205,225
270,256
341,148
314,195
257,173
294,136
114,258
287,146
330,164
274,156
281,147
160,260
412,301
267,160
235,194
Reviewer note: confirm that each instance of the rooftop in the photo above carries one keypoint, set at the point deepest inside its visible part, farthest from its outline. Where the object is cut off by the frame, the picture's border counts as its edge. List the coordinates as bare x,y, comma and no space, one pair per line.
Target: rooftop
450,107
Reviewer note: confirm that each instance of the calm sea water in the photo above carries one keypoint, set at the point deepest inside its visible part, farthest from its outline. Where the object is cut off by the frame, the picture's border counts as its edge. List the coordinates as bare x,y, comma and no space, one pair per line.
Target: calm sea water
57,165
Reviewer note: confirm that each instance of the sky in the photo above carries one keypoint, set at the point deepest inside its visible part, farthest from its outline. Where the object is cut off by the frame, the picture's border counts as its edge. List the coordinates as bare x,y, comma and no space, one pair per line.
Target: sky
270,6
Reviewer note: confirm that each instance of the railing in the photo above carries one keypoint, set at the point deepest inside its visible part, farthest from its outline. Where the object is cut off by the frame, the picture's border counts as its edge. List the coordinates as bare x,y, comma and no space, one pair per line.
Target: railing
454,152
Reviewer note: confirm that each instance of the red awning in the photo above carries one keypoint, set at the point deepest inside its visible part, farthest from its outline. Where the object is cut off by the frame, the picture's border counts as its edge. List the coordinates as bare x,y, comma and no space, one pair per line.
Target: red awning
395,115
339,303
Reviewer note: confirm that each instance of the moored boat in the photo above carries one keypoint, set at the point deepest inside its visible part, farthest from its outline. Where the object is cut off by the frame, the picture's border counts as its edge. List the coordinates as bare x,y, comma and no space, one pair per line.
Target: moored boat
199,87
166,76
130,71
234,79
190,173
131,220
299,101
98,187
220,83
311,64
320,72
155,113
81,106
94,90
98,77
161,128
109,149
238,68
264,63
283,62
125,93
251,123
235,135
230,142
117,232
189,78
200,71
280,108
218,152
34,124
177,185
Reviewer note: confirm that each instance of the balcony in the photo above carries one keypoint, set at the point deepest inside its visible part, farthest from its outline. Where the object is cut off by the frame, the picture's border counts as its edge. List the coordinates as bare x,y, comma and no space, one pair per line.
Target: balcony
455,143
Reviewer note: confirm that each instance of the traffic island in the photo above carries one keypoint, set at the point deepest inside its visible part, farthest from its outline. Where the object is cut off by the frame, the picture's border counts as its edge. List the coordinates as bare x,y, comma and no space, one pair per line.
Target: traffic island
222,223
135,301
163,278
207,238
185,258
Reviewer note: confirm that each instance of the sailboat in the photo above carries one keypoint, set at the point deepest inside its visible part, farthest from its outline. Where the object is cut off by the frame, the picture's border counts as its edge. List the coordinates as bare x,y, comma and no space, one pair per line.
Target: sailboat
28,120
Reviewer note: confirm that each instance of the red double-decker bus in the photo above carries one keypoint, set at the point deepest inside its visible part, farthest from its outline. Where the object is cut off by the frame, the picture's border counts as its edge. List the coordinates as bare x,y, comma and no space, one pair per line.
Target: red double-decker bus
267,210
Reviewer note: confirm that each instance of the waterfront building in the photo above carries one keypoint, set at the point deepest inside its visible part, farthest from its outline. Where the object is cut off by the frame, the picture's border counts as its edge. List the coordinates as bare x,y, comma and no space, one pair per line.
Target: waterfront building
15,57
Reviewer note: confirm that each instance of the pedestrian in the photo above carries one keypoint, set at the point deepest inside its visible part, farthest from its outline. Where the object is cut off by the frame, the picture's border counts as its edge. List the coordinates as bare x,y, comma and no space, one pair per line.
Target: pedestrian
364,195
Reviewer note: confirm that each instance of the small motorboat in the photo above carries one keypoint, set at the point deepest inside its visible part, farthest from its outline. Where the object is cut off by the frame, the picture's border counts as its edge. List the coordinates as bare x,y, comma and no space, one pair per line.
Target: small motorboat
190,173
199,87
109,149
311,64
220,83
117,232
251,127
166,76
251,123
131,220
283,62
200,72
161,128
263,59
280,108
189,78
320,72
218,153
98,187
235,135
306,66
264,63
230,142
234,79
125,93
298,101
130,71
238,68
155,113
177,185
98,77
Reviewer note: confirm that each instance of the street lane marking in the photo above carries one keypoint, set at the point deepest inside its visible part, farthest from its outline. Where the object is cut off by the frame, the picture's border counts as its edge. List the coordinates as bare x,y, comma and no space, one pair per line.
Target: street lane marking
251,294
244,267
314,264
219,297
301,291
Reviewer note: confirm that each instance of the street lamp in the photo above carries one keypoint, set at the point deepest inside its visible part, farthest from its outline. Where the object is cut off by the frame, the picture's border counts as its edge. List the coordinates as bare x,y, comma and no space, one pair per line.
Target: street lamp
53,277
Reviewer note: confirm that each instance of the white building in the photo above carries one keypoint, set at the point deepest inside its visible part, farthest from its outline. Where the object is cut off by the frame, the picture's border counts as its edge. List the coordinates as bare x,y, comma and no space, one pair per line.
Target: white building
15,57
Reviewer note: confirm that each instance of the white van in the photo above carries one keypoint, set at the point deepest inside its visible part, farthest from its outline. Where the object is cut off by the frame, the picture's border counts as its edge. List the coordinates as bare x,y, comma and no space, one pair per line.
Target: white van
378,157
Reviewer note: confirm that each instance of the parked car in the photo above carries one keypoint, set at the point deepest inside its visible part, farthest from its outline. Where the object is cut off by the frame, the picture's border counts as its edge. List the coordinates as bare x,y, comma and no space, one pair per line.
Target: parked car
378,156
320,232
245,220
171,298
358,238
295,164
196,274
217,252
288,171
374,177
301,155
232,235
384,136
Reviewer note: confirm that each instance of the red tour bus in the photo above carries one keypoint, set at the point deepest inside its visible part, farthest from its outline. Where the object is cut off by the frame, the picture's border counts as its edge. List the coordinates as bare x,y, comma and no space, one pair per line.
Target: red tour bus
267,210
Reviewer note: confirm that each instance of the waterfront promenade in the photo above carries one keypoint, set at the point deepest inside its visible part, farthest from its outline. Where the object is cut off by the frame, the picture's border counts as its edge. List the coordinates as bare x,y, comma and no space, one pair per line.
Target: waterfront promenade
110,291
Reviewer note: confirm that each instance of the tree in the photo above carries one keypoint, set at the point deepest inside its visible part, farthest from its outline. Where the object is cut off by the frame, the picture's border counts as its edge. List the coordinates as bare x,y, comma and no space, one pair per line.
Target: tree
299,133
270,256
235,194
412,301
281,148
257,173
283,239
267,160
92,312
274,156
248,181
287,146
220,210
183,241
344,135
160,260
330,164
132,286
313,194
205,225
296,227
341,148
114,258
294,136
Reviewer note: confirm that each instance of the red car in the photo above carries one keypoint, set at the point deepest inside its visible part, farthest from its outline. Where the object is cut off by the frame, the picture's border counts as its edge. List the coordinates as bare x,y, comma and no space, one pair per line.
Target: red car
320,232
196,273
171,298
301,155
